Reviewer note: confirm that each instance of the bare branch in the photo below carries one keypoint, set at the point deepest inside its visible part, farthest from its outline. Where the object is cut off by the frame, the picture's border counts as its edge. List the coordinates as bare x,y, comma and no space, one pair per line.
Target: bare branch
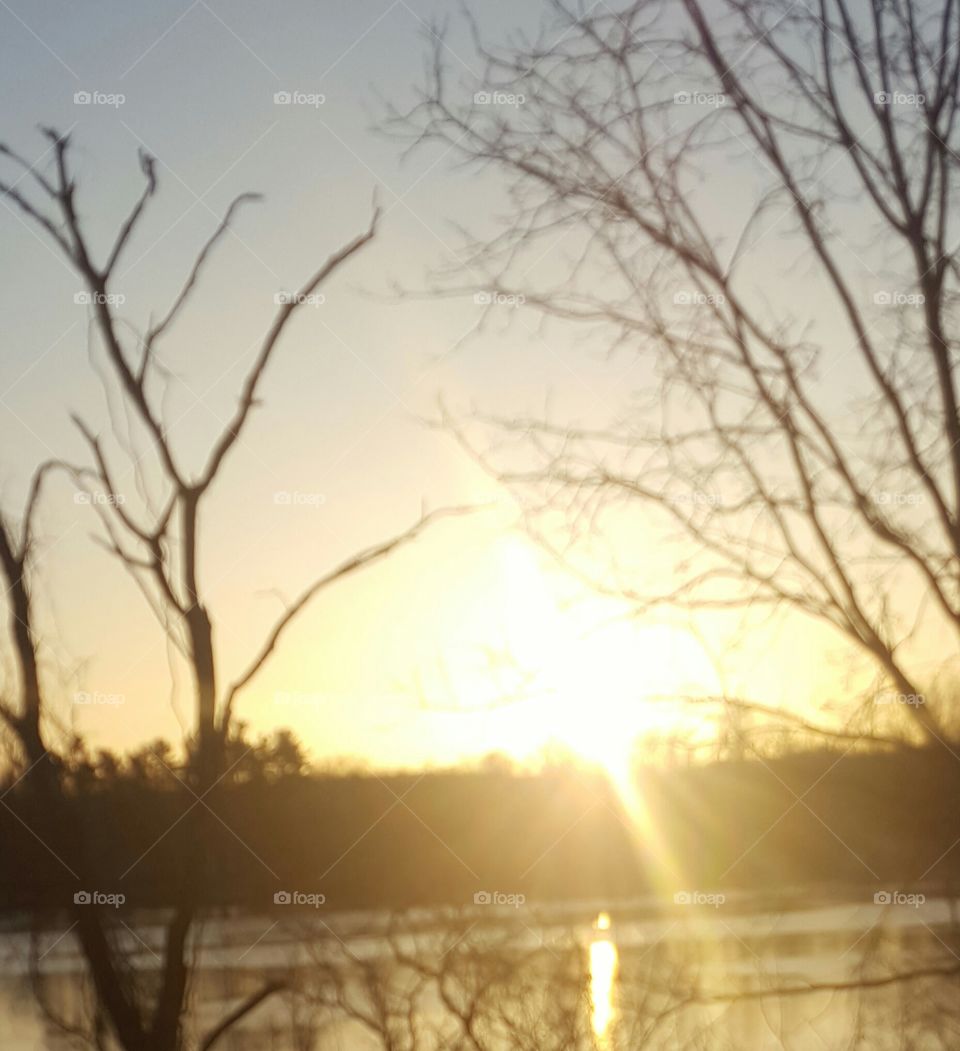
251,1003
359,561
286,311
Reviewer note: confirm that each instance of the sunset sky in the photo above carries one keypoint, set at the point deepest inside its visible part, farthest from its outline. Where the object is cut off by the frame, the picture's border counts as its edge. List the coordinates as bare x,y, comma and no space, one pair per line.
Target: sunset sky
473,611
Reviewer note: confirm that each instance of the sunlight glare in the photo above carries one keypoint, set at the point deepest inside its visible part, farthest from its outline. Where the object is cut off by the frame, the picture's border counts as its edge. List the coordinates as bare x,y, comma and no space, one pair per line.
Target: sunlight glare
594,674
603,972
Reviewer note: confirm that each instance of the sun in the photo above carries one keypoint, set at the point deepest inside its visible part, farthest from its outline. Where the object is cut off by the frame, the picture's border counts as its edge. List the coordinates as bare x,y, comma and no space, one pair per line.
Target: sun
498,652
587,676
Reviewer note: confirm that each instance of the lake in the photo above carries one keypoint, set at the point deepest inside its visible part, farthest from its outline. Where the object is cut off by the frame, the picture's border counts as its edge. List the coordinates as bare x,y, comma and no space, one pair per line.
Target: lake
586,974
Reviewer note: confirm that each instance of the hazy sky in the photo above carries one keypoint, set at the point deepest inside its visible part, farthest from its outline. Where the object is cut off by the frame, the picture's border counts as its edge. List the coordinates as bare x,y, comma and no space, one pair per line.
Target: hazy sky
342,401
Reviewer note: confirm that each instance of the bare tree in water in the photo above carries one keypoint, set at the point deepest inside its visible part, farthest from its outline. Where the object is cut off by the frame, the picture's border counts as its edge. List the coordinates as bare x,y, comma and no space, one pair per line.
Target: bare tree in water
754,202
154,530
472,983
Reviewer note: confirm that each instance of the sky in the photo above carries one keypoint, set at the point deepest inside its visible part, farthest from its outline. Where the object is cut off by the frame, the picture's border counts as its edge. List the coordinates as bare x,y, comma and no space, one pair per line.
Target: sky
413,661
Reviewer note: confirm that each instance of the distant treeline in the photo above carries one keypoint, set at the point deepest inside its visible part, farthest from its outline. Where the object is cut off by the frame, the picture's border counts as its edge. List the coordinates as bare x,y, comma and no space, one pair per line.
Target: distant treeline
361,840
830,817
364,840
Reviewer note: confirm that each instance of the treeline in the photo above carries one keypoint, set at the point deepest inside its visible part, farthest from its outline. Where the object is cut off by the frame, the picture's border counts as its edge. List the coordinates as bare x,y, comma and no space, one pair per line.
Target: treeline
376,841
828,817
361,840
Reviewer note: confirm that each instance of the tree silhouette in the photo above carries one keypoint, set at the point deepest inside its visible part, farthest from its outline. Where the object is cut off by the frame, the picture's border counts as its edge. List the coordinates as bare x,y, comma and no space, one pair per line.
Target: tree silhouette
758,200
157,538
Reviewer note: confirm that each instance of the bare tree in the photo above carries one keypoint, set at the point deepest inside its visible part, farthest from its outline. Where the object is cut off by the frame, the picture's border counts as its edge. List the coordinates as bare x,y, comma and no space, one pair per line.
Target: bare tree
471,984
156,536
757,199
467,983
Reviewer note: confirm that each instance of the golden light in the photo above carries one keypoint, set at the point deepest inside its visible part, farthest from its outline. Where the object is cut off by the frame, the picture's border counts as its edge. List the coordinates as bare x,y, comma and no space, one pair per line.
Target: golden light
590,674
603,960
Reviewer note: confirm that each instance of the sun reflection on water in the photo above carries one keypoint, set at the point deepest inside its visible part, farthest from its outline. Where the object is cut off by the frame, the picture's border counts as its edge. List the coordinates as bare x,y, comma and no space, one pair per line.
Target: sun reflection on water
603,972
